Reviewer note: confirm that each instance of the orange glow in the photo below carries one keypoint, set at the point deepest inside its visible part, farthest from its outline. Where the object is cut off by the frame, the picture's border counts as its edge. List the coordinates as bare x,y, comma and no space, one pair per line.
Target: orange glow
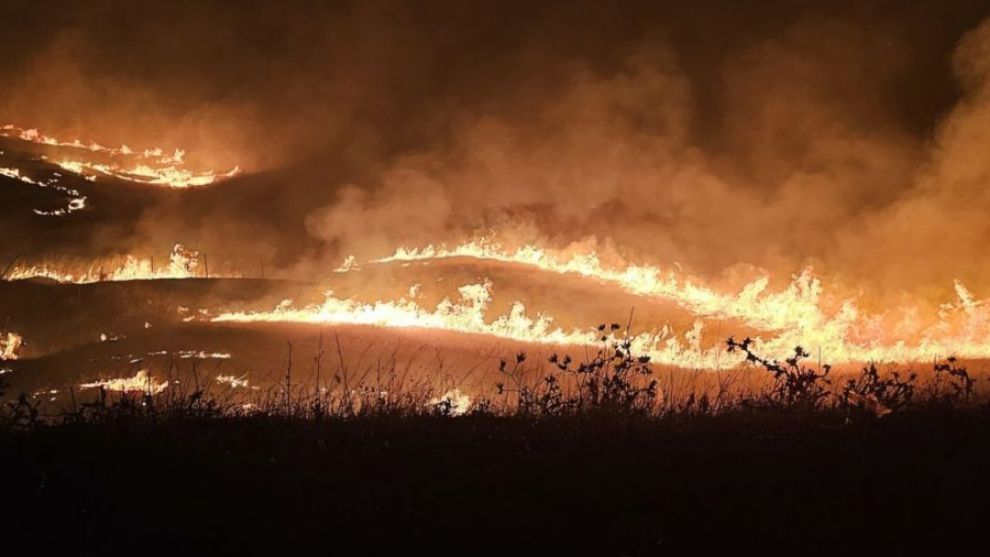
169,175
148,166
182,263
232,381
469,315
142,382
795,315
459,403
10,345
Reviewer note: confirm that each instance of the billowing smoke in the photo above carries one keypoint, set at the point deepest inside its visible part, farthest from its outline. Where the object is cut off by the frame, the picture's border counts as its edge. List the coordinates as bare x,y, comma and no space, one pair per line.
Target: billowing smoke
719,136
937,226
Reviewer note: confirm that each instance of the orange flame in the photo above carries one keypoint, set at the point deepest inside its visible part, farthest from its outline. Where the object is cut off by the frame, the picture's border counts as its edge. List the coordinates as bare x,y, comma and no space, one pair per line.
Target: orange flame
459,403
148,166
469,316
142,382
795,315
182,263
10,345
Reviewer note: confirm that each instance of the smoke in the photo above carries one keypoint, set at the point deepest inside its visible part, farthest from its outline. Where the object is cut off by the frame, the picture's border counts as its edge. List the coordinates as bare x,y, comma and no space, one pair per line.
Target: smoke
937,227
850,137
809,149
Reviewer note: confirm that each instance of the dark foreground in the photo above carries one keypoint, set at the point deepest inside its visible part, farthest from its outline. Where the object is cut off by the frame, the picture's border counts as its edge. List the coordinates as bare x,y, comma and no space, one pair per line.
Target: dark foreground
481,485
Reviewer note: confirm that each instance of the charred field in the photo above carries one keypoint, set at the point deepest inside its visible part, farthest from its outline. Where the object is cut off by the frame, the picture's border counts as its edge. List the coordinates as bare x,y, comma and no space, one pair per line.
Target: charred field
494,277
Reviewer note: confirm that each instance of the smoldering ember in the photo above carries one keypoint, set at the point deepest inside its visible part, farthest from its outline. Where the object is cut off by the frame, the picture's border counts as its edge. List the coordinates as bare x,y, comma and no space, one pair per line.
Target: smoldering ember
547,277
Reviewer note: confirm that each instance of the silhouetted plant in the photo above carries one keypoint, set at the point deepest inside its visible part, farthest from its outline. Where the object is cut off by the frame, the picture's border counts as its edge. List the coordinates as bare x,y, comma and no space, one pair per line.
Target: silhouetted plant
878,395
613,381
794,384
952,383
22,413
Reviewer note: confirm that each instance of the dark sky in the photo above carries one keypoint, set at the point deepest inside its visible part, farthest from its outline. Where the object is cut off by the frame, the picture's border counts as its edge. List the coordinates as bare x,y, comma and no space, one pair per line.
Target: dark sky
308,73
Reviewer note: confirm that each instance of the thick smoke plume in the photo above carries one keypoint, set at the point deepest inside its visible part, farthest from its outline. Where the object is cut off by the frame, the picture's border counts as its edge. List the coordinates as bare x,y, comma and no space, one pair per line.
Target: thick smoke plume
721,136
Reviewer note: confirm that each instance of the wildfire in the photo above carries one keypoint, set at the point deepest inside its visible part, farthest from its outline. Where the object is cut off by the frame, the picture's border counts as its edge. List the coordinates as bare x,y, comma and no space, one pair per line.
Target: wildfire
468,315
170,175
148,166
774,311
182,263
457,402
203,355
797,315
10,345
835,328
142,382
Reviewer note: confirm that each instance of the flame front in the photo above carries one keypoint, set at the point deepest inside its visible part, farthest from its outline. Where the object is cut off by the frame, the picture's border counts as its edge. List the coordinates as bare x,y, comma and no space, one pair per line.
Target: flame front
149,166
469,316
797,315
834,328
182,263
141,382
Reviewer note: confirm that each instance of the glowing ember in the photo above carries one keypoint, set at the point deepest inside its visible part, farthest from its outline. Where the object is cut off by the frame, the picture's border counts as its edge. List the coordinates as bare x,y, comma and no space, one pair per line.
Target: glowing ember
203,355
10,345
233,381
76,201
454,401
142,381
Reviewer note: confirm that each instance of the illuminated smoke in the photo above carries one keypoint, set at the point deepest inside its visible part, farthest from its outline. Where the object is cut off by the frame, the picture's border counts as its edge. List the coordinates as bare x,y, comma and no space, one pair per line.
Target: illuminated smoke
819,175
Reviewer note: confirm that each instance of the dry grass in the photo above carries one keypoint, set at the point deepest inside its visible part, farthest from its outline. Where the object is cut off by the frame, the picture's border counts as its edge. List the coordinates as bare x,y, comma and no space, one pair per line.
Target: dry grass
610,381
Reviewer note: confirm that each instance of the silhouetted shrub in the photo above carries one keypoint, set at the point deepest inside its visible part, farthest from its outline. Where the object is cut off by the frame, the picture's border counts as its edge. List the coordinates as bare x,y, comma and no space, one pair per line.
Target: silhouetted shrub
878,395
614,380
794,384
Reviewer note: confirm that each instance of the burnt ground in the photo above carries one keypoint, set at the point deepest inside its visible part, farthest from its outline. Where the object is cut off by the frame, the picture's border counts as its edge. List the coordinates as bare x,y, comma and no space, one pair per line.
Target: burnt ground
781,483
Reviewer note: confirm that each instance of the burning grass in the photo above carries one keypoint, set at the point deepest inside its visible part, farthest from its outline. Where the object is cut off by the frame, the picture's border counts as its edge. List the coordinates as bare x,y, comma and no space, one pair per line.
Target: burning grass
180,263
614,379
10,345
152,166
676,329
